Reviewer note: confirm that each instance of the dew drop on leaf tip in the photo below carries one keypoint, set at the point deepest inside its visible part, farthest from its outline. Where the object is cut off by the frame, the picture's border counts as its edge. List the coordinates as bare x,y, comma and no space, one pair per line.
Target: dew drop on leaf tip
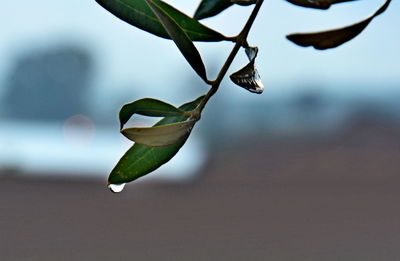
116,188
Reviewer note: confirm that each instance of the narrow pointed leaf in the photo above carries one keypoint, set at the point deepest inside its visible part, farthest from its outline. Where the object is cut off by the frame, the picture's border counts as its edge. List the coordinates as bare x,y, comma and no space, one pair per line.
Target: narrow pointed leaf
138,14
318,4
140,160
208,8
334,38
160,136
147,107
244,2
181,39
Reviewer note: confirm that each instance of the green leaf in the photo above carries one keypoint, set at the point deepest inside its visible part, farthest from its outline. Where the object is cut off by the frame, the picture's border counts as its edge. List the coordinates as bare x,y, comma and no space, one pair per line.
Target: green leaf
160,136
318,4
208,8
139,14
334,38
244,2
147,107
140,160
181,39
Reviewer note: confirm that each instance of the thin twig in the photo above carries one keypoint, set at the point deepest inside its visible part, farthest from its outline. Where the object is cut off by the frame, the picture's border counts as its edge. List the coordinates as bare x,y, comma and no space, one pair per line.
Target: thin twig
241,40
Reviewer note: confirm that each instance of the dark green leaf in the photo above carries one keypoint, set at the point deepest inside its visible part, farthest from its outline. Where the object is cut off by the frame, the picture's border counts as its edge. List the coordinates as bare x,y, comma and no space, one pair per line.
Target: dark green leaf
140,160
244,2
208,8
181,39
318,4
147,107
333,38
138,13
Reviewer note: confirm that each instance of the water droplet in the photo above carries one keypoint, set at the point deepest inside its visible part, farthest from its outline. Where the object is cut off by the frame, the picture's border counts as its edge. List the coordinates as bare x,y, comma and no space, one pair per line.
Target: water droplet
248,78
251,52
116,188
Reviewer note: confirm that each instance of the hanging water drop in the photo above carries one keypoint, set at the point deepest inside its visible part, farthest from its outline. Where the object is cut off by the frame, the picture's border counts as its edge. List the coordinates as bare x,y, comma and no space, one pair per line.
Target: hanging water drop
248,76
251,52
116,188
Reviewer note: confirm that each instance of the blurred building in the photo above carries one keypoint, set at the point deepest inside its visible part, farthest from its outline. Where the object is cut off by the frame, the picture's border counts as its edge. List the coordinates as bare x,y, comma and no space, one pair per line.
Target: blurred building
49,84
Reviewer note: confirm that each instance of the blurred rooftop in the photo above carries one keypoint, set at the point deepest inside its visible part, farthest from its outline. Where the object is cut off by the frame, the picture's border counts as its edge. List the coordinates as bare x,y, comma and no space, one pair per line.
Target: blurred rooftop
315,199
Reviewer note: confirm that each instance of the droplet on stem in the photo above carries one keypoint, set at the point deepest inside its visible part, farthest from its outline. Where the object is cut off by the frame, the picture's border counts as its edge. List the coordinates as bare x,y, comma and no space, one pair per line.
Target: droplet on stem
248,76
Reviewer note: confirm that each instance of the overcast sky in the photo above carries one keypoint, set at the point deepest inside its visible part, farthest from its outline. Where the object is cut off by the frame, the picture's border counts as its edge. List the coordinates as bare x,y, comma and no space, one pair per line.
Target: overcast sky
126,54
135,63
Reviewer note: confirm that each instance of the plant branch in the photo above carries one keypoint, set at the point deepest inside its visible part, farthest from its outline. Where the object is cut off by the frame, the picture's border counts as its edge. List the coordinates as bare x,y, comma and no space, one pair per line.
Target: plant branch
241,40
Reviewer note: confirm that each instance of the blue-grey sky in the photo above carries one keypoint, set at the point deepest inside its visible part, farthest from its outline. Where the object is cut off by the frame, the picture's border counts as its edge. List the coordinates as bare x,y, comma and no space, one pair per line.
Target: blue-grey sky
137,64
127,55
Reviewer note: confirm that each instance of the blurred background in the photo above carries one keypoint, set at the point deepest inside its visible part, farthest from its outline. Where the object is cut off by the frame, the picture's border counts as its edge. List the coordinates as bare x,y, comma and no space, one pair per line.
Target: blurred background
309,170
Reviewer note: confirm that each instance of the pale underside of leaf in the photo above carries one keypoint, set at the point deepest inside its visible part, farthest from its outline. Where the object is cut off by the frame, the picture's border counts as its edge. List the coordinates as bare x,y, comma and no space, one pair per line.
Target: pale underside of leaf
140,160
334,38
138,14
160,136
181,39
318,4
147,107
